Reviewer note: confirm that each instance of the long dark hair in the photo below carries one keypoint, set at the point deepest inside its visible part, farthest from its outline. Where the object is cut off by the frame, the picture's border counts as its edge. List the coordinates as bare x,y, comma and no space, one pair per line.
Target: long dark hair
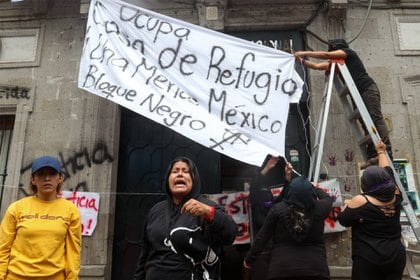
195,176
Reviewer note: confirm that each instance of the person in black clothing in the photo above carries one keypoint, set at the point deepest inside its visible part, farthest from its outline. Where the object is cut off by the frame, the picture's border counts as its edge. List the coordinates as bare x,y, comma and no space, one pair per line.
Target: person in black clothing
274,175
374,215
184,235
339,49
296,227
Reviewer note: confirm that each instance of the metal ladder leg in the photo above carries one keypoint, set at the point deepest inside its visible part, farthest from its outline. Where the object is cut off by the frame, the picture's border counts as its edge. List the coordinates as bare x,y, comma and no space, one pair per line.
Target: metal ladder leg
322,126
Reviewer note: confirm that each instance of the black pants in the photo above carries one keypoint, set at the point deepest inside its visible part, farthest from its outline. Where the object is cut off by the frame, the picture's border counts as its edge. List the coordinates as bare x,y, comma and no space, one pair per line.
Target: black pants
259,268
364,270
372,99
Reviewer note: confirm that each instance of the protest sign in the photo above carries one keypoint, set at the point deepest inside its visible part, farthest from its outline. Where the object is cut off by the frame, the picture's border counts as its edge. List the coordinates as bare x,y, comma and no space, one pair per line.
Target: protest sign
236,205
88,205
228,94
332,187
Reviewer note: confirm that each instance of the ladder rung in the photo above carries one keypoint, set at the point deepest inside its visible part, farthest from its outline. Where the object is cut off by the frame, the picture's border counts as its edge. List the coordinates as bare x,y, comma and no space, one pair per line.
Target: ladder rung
364,140
343,91
355,115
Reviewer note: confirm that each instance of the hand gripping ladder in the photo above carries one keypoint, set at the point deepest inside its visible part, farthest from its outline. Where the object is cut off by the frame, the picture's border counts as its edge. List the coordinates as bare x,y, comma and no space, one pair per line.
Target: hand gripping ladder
354,109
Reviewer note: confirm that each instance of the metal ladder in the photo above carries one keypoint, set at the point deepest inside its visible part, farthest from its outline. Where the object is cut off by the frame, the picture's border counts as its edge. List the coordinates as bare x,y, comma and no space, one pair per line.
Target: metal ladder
353,115
354,109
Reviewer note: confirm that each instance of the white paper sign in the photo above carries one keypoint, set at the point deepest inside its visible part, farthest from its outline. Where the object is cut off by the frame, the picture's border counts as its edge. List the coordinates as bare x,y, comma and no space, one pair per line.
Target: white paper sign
332,187
88,205
226,93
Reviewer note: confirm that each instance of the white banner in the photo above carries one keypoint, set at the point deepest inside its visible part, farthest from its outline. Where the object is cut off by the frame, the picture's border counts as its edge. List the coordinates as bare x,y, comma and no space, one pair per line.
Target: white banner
228,94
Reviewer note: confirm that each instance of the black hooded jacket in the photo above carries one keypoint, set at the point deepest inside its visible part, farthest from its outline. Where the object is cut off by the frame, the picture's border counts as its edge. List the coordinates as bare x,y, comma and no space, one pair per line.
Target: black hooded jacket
181,246
298,246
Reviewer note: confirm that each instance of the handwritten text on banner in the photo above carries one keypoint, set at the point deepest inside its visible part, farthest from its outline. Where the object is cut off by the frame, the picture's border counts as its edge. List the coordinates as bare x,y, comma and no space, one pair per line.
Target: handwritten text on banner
223,92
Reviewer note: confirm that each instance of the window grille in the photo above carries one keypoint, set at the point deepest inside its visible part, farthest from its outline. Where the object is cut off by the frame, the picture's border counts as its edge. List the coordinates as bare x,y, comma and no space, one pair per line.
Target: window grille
6,131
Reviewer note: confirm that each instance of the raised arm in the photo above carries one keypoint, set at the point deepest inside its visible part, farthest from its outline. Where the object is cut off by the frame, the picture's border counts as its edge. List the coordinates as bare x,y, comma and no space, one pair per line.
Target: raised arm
269,165
381,150
324,65
383,160
316,65
322,54
288,171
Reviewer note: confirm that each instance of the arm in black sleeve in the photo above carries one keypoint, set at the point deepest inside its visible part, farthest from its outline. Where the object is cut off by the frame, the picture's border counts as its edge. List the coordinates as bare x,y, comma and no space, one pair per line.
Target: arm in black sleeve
260,202
324,200
349,216
223,229
263,236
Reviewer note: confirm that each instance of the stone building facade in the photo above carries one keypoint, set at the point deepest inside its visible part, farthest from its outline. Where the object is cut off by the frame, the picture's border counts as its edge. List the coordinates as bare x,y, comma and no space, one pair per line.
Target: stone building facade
42,111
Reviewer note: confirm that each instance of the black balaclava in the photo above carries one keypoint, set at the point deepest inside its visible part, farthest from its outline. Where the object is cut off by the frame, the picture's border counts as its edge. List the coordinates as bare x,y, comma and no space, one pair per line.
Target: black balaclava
301,193
377,182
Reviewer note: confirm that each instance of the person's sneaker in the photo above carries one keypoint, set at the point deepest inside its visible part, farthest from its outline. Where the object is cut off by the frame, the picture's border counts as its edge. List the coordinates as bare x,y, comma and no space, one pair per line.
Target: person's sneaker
369,162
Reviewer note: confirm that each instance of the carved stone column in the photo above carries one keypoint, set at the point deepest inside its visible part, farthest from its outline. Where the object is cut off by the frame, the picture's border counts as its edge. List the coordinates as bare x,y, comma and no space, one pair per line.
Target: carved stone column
336,15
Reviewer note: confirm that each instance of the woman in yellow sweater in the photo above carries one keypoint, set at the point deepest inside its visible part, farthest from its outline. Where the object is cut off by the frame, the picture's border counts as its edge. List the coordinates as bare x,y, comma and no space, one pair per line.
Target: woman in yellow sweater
40,235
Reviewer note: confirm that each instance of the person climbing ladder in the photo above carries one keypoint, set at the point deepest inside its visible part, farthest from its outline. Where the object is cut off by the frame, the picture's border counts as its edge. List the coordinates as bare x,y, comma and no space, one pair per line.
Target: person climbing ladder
339,49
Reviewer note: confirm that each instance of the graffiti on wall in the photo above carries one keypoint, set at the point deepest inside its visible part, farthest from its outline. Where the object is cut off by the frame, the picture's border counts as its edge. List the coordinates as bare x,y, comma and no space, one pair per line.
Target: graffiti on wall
75,162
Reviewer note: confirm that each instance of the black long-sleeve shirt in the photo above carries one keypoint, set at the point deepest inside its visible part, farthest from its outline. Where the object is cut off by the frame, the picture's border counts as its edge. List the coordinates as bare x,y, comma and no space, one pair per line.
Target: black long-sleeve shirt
158,261
290,258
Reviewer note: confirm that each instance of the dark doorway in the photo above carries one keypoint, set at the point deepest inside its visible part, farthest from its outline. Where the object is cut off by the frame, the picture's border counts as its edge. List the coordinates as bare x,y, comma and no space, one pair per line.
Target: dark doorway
146,149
